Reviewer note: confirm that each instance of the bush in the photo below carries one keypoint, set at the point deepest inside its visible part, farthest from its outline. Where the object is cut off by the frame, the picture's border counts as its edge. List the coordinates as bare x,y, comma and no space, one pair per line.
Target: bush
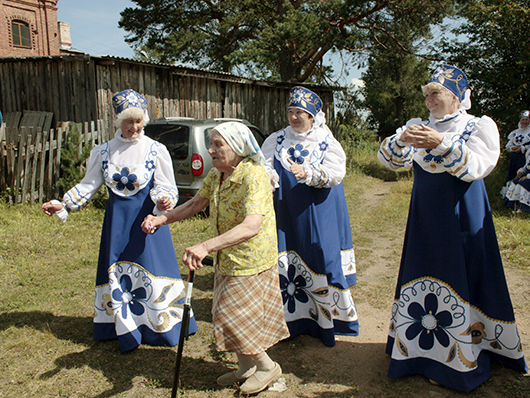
361,146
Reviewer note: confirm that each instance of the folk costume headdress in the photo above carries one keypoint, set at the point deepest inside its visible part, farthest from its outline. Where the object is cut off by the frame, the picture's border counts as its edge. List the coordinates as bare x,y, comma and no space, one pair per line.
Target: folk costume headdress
127,103
455,81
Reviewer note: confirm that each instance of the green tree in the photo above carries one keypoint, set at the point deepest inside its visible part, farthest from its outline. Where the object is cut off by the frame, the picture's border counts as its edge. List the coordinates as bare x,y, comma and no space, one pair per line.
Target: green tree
272,39
393,90
495,55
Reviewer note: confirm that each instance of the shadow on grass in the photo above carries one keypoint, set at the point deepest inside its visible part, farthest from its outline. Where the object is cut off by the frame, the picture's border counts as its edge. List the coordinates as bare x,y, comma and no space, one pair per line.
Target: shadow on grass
345,370
154,364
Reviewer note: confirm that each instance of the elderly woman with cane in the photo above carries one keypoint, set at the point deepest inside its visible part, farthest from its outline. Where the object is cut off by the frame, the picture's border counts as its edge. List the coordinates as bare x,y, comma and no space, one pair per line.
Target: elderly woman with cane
452,313
247,305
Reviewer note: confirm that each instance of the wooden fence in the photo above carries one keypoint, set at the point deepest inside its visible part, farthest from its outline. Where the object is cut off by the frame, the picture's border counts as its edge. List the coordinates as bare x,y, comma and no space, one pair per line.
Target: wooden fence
30,160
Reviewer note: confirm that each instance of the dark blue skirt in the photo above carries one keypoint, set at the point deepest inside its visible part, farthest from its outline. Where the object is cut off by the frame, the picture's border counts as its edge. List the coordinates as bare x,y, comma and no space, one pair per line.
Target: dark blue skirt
317,264
139,290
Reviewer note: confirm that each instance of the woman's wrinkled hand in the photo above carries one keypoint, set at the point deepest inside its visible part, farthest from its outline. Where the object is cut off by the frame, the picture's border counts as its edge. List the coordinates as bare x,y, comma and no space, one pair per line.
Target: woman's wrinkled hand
152,223
50,209
164,203
298,170
194,255
516,149
421,136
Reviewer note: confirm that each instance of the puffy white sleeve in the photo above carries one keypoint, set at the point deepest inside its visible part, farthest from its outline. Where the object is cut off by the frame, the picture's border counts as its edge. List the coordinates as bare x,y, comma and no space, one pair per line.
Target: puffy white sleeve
510,141
331,170
472,155
164,180
394,153
79,196
268,147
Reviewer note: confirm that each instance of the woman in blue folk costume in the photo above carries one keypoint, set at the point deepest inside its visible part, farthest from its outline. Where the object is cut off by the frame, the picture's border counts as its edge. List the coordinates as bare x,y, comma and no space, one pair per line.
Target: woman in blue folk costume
518,145
139,291
316,258
517,192
452,313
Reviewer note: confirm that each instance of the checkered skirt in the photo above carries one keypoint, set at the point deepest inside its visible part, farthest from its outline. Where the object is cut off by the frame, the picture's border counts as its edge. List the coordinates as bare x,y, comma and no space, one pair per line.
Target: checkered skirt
248,312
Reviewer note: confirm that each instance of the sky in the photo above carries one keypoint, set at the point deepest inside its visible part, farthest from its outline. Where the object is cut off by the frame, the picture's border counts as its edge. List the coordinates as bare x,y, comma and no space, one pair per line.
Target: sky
94,30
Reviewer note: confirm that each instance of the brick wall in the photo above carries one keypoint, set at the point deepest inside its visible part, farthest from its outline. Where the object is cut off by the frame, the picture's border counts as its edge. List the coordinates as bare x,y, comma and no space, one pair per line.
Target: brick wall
41,16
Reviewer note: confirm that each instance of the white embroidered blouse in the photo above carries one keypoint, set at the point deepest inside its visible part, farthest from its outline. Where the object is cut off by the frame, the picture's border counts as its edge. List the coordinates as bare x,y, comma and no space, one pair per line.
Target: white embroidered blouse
126,166
469,150
317,151
519,137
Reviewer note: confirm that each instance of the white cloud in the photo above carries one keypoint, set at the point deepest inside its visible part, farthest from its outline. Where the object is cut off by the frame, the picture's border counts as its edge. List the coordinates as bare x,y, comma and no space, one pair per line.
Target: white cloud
357,82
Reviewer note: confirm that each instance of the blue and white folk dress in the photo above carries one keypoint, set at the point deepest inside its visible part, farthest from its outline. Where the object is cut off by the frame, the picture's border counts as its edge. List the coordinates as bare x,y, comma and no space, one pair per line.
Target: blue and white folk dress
139,291
316,255
452,312
517,191
520,138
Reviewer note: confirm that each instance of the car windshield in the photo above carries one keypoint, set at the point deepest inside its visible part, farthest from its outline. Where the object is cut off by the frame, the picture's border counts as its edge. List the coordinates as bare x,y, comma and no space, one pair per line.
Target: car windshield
174,136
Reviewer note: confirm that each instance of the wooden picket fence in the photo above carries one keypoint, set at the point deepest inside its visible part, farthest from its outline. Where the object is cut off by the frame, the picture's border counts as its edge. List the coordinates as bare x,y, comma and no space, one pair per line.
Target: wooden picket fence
30,160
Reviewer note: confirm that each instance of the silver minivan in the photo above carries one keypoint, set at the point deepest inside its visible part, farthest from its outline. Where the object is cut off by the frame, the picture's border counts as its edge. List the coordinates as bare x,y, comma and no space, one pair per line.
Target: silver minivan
188,140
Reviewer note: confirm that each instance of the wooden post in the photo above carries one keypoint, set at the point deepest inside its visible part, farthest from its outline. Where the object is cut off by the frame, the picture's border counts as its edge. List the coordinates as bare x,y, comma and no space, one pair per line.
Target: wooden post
34,162
26,171
58,160
49,193
42,163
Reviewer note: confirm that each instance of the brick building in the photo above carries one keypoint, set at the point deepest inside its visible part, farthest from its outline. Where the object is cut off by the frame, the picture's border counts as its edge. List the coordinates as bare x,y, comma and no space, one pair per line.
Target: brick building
30,28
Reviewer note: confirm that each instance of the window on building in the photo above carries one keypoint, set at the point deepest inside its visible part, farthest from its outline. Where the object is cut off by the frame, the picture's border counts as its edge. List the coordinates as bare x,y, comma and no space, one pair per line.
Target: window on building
20,32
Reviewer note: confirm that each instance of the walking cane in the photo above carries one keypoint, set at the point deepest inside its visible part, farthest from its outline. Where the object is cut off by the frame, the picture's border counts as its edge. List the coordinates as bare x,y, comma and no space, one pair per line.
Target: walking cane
184,328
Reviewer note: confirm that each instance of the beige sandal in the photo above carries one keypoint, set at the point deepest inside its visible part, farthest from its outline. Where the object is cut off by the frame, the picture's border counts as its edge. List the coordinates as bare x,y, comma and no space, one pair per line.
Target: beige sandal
231,378
259,381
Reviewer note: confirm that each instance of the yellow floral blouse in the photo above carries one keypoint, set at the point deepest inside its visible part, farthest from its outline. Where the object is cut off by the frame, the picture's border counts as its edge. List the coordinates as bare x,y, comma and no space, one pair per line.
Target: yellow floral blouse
247,191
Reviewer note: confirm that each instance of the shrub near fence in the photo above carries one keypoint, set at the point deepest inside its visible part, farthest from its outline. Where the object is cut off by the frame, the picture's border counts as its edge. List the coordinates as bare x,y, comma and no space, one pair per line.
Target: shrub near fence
30,160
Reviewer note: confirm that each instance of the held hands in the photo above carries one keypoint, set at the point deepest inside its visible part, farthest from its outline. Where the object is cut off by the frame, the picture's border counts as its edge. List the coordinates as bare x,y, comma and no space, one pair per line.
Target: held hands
164,203
421,136
298,170
50,209
151,223
521,176
194,255
516,149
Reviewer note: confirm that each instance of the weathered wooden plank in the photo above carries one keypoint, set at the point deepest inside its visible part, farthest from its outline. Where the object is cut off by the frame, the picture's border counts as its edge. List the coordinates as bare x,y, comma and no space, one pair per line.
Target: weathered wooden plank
57,163
34,165
19,166
26,173
42,164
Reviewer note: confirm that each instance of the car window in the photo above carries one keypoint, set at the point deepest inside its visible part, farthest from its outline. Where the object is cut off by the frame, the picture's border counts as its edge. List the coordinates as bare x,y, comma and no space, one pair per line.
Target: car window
207,133
174,136
258,135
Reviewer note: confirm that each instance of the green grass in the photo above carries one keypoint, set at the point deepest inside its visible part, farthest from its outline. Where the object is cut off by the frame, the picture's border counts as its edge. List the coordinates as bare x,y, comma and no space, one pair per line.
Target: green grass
47,276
